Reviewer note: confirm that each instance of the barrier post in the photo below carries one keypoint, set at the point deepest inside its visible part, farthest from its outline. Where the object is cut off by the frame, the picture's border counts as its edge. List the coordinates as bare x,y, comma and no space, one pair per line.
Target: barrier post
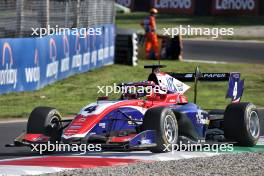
44,14
19,16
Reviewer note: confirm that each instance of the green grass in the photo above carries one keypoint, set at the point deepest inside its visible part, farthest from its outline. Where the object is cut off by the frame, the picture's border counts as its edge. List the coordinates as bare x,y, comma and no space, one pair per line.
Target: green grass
132,21
71,94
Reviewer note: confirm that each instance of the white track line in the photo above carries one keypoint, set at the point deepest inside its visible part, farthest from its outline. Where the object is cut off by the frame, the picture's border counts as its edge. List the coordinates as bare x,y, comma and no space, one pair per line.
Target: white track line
6,121
205,61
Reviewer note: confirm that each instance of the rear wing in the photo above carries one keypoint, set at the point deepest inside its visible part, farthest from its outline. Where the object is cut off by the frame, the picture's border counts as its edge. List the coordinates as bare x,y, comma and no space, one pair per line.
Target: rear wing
190,77
235,85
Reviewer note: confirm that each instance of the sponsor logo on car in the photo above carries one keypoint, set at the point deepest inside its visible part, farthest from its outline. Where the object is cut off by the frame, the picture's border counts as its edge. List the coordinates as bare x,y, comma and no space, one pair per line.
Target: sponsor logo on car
201,118
188,75
102,125
214,75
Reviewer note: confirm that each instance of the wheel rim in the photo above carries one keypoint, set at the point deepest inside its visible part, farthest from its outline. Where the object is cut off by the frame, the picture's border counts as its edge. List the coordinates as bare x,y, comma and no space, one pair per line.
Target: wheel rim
53,130
170,129
54,121
254,124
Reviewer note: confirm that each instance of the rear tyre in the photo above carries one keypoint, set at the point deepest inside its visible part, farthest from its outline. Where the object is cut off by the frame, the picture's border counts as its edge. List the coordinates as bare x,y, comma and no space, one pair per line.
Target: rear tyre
241,123
47,121
164,122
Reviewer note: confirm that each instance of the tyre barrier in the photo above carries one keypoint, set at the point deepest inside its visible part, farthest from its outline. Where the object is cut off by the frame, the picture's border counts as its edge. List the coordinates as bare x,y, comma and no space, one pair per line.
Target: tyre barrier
130,47
126,50
169,48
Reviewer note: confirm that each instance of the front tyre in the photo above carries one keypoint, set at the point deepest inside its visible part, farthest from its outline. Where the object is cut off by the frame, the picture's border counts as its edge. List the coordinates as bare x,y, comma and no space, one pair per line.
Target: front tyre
164,122
241,123
47,121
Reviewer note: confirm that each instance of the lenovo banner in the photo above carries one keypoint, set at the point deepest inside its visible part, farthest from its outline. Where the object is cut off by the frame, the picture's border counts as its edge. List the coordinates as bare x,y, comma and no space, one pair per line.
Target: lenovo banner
31,63
235,7
126,3
174,6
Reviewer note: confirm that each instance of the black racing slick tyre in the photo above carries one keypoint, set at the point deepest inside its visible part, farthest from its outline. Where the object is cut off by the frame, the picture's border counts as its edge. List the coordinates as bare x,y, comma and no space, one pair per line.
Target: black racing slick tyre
241,124
164,122
47,121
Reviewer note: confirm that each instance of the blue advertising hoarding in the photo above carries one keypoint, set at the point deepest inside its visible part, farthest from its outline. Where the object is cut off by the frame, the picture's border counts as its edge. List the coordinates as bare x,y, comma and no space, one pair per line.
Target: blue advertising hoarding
28,64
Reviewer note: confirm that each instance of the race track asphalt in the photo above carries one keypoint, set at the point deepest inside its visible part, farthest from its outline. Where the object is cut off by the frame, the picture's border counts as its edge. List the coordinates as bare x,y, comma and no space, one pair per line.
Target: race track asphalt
8,132
227,51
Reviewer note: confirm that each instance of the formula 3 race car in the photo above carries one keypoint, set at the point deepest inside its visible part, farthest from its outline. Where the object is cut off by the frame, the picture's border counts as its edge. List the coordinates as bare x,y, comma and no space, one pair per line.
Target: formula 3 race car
153,120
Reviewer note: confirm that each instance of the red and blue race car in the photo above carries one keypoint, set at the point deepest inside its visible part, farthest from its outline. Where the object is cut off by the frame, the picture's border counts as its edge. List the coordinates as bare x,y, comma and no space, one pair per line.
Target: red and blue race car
151,120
